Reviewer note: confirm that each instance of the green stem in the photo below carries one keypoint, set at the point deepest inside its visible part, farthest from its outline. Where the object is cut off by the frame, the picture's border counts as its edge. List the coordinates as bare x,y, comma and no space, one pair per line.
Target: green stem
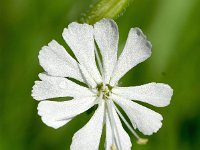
105,9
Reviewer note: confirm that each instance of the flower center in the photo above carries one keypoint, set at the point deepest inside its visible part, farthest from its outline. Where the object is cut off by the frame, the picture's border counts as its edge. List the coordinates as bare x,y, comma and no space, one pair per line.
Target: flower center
104,91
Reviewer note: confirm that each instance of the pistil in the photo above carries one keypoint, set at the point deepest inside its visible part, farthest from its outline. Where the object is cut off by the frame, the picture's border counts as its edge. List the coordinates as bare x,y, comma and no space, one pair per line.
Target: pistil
105,90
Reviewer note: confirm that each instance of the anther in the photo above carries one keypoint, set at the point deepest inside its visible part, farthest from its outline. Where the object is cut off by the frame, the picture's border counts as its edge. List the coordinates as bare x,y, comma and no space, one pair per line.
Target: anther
113,147
104,89
142,141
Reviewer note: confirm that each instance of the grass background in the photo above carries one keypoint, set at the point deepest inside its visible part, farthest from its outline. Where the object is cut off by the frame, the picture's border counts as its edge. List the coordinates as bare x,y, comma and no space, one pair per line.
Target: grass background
173,27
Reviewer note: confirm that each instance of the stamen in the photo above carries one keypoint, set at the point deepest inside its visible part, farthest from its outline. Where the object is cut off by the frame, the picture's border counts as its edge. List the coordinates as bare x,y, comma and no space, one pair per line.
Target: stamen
105,89
140,140
113,124
109,117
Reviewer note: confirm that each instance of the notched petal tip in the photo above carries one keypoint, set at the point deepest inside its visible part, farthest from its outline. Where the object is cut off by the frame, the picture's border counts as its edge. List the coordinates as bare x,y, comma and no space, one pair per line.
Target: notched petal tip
52,43
53,46
153,128
167,91
34,91
46,113
76,25
43,76
139,33
45,49
148,44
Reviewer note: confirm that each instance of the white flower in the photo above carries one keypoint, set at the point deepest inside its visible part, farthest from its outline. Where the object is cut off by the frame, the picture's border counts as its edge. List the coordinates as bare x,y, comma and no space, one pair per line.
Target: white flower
101,89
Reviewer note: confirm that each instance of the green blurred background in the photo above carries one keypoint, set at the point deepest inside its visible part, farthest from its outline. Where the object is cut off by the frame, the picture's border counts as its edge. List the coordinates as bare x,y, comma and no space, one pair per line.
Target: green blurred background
173,27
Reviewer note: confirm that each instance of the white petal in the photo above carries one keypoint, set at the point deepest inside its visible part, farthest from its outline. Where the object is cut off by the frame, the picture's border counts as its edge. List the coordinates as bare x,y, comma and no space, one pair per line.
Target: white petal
80,39
57,62
56,114
136,50
109,137
88,137
87,77
146,120
52,87
124,138
157,94
106,36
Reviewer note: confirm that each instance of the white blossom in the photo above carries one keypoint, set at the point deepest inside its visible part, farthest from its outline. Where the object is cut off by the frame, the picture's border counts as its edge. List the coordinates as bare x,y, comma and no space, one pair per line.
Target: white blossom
100,71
